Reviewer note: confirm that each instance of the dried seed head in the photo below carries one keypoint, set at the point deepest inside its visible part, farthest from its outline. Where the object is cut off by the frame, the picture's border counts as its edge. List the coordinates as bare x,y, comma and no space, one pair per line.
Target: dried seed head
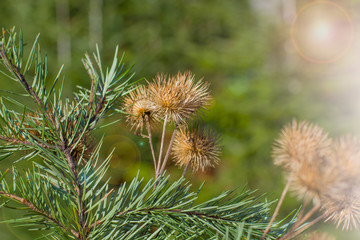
341,203
347,157
319,236
342,206
314,178
138,105
197,147
178,98
300,142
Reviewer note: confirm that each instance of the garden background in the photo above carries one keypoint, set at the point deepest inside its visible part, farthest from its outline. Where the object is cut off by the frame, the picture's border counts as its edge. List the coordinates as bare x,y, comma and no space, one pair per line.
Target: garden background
259,79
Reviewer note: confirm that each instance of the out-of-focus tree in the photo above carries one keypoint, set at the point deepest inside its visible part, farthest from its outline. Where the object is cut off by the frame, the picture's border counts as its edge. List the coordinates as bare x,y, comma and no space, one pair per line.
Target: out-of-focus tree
255,87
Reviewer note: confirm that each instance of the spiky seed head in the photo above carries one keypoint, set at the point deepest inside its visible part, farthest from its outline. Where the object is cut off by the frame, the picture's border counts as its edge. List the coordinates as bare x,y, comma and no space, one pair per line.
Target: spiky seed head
138,106
179,97
299,142
319,236
347,156
341,205
197,147
313,178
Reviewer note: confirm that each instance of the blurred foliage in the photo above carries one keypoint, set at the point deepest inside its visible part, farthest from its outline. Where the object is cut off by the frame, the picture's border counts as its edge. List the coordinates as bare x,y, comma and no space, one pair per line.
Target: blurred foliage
257,83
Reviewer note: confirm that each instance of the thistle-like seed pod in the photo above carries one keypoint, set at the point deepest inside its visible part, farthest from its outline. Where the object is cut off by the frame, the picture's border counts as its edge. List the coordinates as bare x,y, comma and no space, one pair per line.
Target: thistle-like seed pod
346,154
197,147
341,203
138,105
342,206
178,98
303,150
300,142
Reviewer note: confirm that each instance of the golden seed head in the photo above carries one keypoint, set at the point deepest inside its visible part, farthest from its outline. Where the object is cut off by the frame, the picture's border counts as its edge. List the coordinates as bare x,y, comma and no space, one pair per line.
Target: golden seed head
178,97
347,157
299,142
197,147
341,205
313,178
319,236
138,106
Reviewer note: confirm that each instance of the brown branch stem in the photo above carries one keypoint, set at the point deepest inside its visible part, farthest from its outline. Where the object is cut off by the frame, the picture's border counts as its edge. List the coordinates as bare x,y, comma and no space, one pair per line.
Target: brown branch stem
286,188
168,150
185,170
35,209
151,143
161,146
290,235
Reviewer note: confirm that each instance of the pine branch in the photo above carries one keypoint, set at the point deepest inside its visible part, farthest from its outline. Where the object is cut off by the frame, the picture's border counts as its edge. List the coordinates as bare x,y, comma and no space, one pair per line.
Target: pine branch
33,207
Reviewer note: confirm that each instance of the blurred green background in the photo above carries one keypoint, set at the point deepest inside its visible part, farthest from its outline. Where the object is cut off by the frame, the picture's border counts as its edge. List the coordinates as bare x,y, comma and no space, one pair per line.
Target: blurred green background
243,47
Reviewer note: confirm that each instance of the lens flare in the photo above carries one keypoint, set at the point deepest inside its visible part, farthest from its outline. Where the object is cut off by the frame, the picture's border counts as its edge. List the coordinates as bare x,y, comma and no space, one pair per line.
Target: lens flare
322,32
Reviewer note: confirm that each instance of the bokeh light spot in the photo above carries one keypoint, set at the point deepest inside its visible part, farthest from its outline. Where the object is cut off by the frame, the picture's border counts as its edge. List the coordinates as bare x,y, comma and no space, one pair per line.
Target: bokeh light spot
322,32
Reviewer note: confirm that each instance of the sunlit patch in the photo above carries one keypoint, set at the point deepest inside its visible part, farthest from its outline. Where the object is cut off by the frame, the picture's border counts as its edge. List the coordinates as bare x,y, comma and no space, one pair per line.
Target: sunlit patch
322,32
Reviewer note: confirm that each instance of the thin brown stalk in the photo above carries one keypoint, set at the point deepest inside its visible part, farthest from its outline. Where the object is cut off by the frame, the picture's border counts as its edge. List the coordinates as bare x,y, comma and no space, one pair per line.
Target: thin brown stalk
185,170
306,203
290,235
301,220
161,146
286,188
35,209
168,150
151,143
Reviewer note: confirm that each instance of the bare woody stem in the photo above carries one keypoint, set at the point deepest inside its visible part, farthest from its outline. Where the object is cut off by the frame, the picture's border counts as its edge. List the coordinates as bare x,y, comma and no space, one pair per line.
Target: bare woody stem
168,150
151,143
35,209
290,235
185,170
286,188
161,146
301,220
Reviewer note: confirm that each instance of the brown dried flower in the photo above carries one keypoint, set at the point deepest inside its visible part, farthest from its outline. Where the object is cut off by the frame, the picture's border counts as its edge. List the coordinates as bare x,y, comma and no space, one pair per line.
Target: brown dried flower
300,142
138,105
178,98
197,147
341,203
342,206
347,156
313,178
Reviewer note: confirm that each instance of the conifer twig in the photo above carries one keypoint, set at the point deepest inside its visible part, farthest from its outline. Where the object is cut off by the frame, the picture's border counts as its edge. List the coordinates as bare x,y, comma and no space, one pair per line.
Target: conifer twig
14,69
34,208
